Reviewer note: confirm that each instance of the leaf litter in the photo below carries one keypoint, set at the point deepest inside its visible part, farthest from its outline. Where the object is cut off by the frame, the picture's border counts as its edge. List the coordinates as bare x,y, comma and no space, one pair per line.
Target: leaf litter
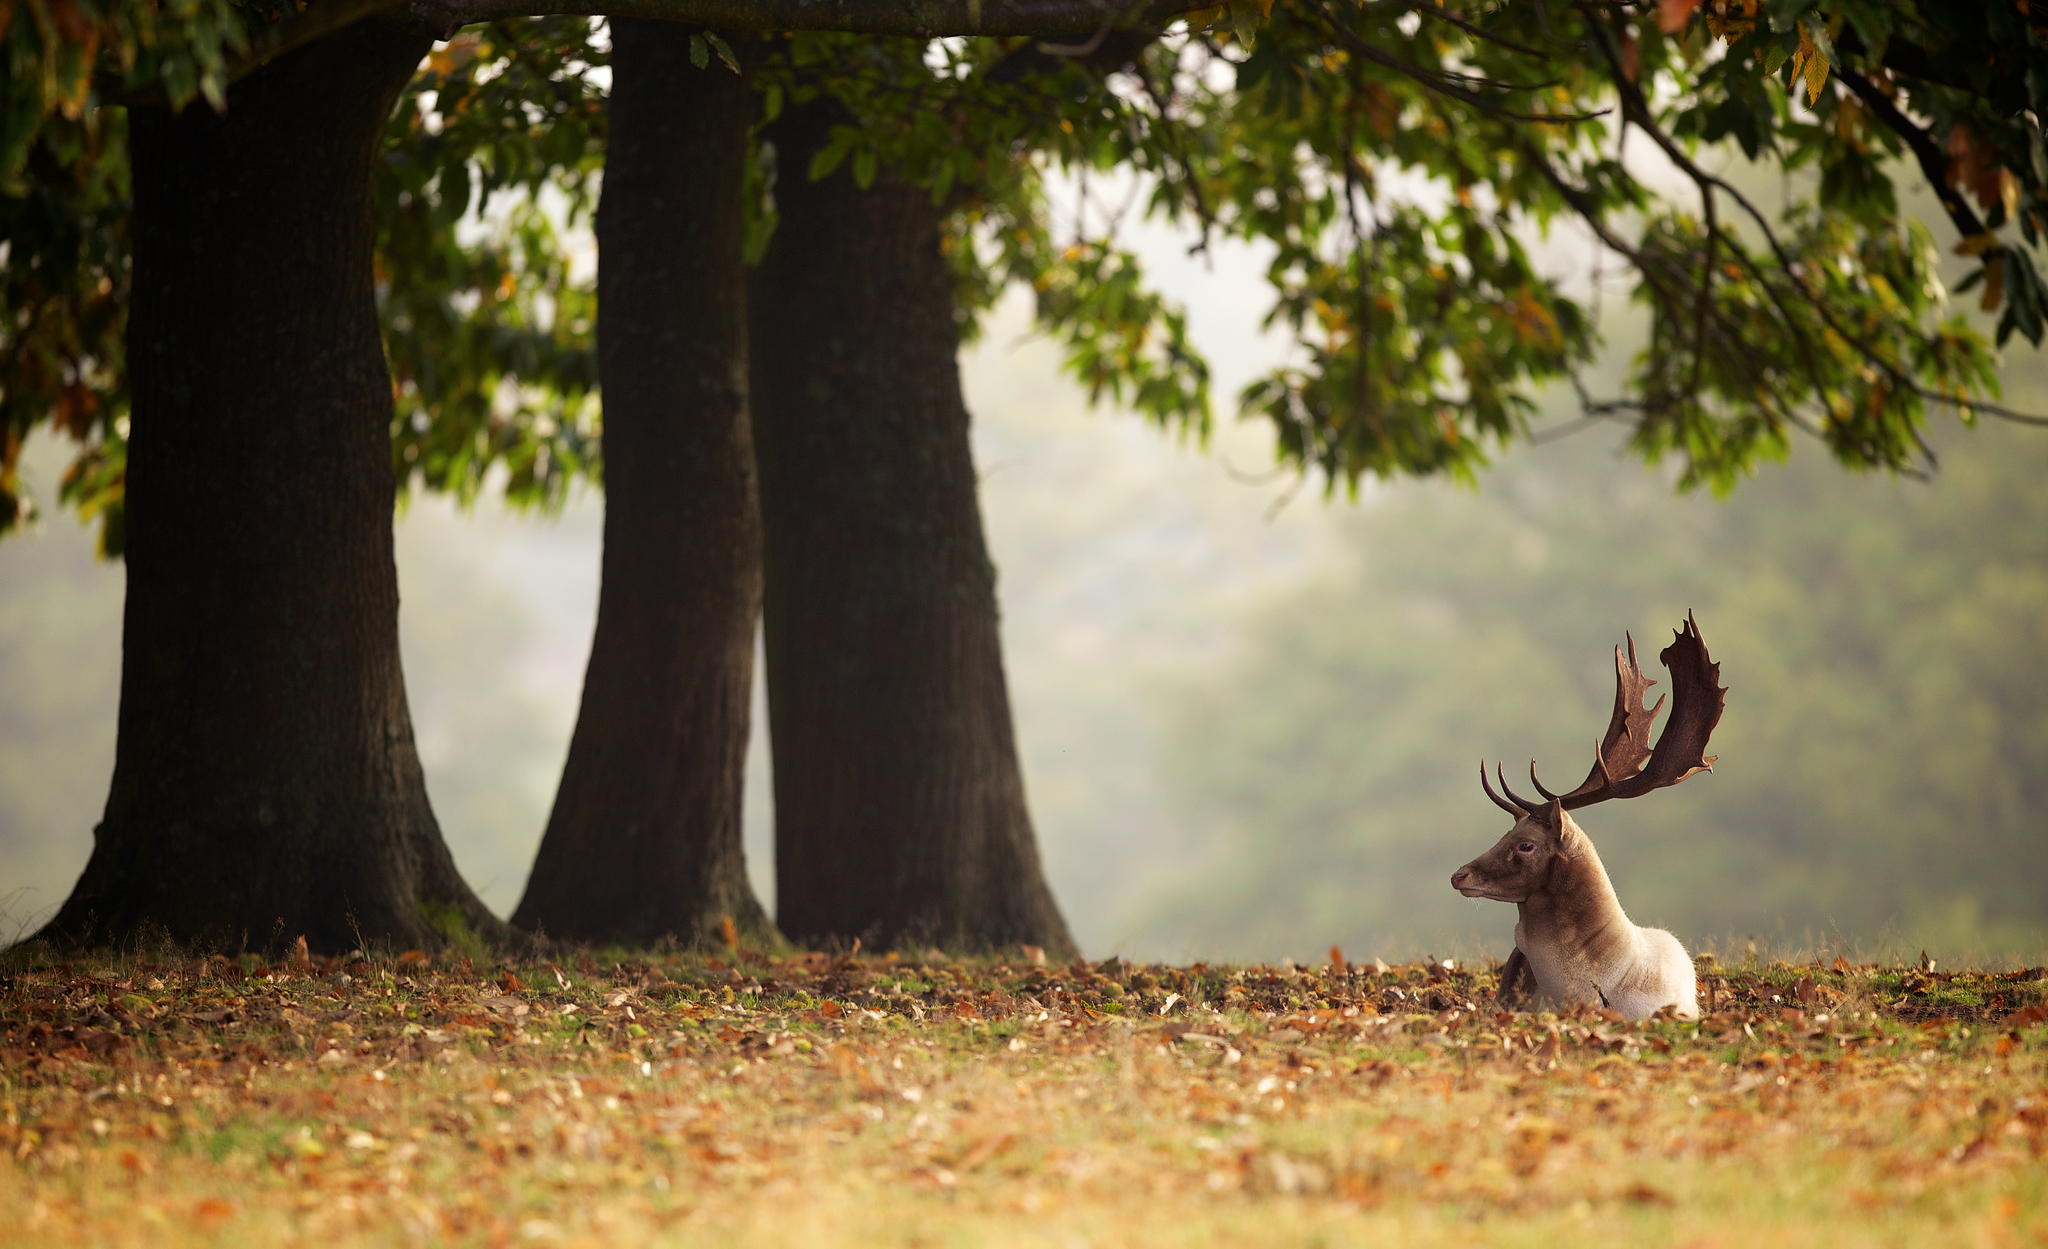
834,1099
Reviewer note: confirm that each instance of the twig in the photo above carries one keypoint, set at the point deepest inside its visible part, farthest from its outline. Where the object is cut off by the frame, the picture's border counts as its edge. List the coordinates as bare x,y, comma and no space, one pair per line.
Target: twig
1444,82
1474,29
1933,162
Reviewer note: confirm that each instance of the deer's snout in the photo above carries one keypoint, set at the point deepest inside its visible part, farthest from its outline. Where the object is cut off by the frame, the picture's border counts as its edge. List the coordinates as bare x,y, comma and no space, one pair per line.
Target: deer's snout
1459,877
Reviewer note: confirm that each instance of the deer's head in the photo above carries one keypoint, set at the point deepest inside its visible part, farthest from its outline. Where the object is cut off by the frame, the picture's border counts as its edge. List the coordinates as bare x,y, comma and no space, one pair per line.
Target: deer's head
1520,863
1625,765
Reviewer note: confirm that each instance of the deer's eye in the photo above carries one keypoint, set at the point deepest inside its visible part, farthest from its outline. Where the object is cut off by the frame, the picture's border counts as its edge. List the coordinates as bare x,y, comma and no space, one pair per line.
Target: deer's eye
1527,847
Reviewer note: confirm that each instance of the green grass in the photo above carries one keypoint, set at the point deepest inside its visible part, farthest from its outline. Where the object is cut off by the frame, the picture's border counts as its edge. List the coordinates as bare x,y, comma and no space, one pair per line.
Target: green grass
810,1100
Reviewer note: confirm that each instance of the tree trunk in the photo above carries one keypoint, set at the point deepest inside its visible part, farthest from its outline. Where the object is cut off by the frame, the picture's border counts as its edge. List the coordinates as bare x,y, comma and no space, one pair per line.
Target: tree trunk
899,806
265,782
644,841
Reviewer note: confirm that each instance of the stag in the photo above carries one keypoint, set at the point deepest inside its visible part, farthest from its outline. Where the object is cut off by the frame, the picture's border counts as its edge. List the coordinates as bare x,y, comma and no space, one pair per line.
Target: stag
1573,939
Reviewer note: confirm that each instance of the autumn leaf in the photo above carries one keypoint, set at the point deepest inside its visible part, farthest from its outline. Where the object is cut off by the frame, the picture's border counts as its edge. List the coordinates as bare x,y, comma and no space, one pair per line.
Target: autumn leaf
1382,111
1994,282
1973,166
1810,63
1672,15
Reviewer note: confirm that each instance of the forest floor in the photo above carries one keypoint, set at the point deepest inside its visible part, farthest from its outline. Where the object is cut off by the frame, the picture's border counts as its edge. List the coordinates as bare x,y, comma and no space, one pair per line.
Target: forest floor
868,1101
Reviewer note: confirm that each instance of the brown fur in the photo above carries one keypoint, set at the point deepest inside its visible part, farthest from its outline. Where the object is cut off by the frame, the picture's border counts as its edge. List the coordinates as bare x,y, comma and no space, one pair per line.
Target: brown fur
1577,943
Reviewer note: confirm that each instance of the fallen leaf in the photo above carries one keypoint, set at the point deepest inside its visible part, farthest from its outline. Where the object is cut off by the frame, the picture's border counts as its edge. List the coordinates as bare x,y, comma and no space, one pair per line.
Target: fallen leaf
211,1212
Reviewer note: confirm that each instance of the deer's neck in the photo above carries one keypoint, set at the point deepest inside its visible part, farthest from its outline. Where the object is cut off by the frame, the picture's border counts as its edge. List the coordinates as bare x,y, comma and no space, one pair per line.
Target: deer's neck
1577,917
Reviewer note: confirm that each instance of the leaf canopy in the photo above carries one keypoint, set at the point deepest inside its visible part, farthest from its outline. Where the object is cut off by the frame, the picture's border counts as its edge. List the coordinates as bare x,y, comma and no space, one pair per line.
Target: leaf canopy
1427,180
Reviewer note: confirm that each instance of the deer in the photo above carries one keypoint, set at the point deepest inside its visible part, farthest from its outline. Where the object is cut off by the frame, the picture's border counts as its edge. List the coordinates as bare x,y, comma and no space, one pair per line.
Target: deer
1572,939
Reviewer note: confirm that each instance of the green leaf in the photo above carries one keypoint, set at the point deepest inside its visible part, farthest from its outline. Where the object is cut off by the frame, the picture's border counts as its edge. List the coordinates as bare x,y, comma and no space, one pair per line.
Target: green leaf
723,49
828,158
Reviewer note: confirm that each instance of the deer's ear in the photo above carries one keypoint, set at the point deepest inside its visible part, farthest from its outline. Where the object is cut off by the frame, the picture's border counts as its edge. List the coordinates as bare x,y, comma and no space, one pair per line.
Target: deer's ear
1570,837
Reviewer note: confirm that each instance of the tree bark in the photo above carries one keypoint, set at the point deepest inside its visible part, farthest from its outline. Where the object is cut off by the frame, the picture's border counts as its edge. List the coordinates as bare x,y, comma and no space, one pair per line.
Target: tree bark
899,806
265,781
644,841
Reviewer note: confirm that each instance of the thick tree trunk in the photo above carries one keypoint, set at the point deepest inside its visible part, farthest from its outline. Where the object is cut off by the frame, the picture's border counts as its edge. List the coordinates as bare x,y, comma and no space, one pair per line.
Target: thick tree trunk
899,806
644,841
265,781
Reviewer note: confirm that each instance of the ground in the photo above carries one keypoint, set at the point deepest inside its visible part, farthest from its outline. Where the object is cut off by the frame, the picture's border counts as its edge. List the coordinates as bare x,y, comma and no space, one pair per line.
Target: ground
864,1101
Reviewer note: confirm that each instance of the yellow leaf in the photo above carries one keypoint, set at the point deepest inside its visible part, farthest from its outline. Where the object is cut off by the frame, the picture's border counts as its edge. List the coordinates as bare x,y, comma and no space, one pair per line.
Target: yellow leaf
1816,75
1976,244
1808,63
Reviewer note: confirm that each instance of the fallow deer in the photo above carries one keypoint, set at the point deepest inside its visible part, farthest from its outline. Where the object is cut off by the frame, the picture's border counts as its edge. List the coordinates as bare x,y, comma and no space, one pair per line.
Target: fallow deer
1573,940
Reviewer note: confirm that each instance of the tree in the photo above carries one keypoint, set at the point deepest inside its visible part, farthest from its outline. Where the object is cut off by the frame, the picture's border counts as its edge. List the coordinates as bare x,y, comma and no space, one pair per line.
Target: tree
972,836
1401,158
265,782
644,840
899,806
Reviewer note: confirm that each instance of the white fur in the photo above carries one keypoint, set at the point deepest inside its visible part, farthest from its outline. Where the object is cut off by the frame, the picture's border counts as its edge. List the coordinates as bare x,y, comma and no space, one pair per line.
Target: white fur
1647,970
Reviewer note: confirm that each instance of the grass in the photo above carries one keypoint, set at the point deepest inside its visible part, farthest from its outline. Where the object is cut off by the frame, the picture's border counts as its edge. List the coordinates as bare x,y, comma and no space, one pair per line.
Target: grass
830,1101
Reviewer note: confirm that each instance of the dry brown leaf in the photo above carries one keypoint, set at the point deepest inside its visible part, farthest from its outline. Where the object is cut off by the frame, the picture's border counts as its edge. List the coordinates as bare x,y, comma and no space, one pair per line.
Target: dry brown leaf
1672,15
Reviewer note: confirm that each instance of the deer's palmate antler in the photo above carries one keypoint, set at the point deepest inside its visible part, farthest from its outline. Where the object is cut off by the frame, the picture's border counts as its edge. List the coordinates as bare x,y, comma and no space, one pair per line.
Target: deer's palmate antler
1573,939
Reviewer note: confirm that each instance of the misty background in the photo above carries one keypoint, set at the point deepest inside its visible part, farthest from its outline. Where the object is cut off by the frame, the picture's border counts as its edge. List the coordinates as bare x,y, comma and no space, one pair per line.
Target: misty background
1250,715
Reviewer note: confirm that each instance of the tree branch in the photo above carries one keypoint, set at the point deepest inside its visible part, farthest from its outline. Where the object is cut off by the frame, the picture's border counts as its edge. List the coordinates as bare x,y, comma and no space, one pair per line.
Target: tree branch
1458,86
1473,29
1045,19
1933,161
1088,20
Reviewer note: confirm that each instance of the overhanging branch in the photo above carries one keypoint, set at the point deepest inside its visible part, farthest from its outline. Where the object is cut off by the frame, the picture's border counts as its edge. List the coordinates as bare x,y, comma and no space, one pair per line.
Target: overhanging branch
1044,19
1933,162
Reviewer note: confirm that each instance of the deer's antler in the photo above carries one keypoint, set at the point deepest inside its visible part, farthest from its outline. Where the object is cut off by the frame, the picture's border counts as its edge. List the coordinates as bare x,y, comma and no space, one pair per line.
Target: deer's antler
1514,803
1625,765
1623,750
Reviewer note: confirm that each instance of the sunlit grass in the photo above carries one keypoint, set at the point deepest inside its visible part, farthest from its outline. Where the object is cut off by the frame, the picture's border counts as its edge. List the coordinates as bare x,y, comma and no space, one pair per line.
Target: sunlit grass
825,1101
